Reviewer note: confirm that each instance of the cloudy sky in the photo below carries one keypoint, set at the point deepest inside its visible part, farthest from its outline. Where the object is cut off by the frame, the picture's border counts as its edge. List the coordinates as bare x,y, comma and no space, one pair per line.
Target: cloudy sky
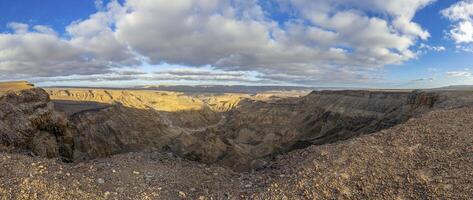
354,43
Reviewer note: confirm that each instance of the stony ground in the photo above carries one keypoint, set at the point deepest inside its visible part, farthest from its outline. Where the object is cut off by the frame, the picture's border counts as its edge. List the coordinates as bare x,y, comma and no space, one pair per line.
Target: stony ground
430,157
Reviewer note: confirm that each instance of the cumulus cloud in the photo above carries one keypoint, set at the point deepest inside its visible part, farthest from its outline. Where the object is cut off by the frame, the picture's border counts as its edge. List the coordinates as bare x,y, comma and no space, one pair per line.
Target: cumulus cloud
40,52
90,48
461,15
96,36
229,37
324,40
401,12
18,28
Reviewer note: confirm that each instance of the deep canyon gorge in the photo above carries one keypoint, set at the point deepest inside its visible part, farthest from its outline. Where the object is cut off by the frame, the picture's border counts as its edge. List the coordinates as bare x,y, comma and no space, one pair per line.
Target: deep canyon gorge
236,131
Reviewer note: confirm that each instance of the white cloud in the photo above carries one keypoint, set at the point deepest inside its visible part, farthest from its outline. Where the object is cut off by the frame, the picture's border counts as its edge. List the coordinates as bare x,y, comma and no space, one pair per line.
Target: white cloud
227,37
463,32
44,29
464,74
424,46
18,28
42,53
460,74
326,40
401,12
99,4
430,79
461,15
96,35
183,74
462,10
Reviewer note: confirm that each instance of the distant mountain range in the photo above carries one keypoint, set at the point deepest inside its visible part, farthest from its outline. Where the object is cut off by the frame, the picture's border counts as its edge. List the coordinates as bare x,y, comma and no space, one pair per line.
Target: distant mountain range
248,89
456,88
214,88
223,88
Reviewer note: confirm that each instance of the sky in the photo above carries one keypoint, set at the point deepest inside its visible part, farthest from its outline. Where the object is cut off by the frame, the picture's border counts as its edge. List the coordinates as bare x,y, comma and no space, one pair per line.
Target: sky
319,43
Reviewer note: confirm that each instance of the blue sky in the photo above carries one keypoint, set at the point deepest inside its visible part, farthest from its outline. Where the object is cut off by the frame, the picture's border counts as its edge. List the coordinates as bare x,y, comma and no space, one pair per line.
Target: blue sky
139,42
434,63
55,13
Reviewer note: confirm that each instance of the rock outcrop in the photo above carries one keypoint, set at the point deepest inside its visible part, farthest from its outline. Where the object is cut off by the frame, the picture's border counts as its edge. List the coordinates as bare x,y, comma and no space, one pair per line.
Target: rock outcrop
29,123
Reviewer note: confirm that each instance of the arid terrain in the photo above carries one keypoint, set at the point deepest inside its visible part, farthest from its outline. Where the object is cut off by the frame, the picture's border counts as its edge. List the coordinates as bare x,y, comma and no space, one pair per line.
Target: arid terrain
14,86
84,143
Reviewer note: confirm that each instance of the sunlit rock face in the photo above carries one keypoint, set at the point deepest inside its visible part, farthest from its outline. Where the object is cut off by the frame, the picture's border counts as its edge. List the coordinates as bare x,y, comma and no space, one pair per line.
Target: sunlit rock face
177,108
160,101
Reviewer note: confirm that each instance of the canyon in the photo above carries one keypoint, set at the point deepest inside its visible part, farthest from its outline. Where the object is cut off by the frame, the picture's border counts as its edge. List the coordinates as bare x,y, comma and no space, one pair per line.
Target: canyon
241,131
245,133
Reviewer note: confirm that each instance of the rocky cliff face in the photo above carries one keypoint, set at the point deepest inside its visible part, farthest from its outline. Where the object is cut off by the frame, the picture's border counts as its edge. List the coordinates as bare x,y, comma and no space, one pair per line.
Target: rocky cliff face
118,129
28,122
181,110
331,116
257,130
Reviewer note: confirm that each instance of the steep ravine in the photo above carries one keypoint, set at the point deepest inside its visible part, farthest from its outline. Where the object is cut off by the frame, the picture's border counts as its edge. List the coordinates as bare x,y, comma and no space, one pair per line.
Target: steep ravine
256,130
